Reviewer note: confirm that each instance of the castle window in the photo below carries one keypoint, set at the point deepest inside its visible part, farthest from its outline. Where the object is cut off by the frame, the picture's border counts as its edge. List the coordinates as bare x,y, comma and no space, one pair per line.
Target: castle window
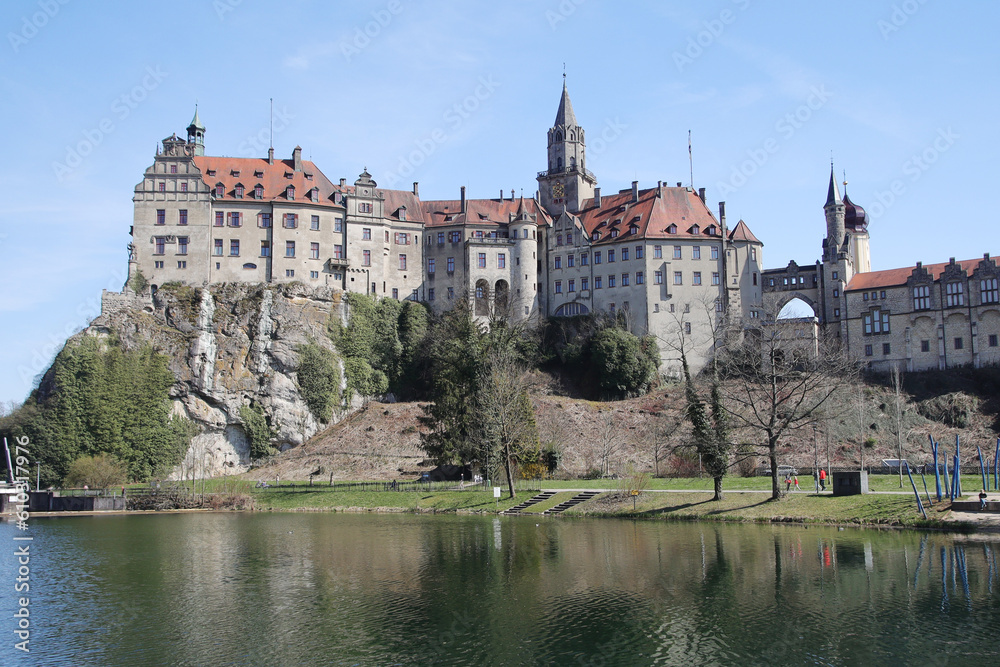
696,252
677,252
687,327
161,245
836,293
611,256
558,239
239,191
632,231
451,265
265,248
265,220
402,262
754,278
366,258
314,196
182,245
835,275
836,312
624,280
234,219
570,260
289,248
583,259
638,252
572,286
182,265
868,350
611,281
658,277
614,233
925,346
220,218
173,169
597,257
289,273
988,290
624,254
753,255
866,296
954,295
802,280
290,192
657,252
162,187
959,343
678,279
596,236
161,216
558,287
182,216
315,274
597,282
639,278
217,248
157,265
258,174
886,347
234,248
992,340
882,294
715,253
184,186
258,191
696,279
395,293
502,260
440,238
314,251
557,262
366,233
290,220
482,260
220,190
314,223
695,229
715,278
672,229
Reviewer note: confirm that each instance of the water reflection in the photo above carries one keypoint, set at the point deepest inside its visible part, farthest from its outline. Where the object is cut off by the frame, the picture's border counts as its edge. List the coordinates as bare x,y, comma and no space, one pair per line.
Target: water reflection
280,589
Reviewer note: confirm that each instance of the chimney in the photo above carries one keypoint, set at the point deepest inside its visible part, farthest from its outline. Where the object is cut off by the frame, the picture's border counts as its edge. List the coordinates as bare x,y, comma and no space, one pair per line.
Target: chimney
270,155
463,199
297,158
635,191
501,194
597,197
679,184
343,182
722,214
701,193
416,189
512,194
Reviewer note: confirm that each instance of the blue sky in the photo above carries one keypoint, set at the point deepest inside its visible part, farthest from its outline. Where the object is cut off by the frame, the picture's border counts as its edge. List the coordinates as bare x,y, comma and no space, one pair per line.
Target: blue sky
904,95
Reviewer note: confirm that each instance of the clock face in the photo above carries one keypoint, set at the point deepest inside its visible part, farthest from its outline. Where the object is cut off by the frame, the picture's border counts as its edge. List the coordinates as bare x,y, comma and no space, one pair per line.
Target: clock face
557,190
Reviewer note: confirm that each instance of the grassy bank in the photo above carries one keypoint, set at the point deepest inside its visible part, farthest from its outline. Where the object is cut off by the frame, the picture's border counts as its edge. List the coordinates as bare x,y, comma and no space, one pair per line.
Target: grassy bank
806,483
872,509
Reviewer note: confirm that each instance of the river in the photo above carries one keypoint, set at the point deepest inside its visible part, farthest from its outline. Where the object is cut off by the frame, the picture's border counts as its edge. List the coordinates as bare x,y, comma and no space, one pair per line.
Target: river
378,589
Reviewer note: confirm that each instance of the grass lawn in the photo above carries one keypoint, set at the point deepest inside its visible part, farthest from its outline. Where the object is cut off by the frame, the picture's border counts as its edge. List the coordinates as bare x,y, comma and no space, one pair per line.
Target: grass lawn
806,483
809,508
441,501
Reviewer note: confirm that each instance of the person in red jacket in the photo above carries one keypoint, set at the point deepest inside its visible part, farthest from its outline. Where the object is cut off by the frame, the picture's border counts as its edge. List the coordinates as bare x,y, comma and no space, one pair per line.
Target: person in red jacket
822,479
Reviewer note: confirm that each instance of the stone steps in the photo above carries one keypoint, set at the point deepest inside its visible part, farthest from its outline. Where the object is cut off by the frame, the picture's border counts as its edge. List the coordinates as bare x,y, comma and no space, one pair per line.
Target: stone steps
572,502
534,500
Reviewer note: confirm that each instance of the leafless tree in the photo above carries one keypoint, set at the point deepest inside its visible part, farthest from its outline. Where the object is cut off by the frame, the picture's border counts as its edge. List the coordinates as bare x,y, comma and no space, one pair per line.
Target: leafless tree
610,438
898,407
776,379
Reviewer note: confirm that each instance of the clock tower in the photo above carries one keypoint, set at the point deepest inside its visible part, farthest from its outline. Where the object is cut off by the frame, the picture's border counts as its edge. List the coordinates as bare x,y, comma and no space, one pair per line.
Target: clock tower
566,182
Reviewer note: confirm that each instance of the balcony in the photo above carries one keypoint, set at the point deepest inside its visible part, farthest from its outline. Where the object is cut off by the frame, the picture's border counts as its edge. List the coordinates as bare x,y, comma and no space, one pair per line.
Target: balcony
337,263
487,240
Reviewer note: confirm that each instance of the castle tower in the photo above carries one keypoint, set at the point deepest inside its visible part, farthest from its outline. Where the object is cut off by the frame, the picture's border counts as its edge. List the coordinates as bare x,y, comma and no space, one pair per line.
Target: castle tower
856,226
566,182
834,209
523,229
196,133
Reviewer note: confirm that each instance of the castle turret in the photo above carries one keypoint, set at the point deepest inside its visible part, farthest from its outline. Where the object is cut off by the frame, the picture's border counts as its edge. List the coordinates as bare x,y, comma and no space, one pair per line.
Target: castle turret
835,211
196,134
523,229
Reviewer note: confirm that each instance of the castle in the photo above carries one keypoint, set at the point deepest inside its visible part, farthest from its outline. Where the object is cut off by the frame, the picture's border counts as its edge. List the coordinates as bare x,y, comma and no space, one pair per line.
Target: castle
658,258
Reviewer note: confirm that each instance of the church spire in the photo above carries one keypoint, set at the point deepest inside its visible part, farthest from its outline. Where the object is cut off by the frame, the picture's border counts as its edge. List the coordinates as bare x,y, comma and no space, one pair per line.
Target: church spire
196,133
565,115
833,193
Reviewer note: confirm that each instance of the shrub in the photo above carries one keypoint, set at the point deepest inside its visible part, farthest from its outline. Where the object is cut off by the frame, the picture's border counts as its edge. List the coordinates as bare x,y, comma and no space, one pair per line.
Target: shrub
102,471
319,380
259,431
625,365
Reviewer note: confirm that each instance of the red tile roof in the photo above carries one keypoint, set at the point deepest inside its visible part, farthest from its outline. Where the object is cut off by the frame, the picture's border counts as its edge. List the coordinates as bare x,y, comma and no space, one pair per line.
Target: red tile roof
653,216
479,212
275,178
896,277
741,232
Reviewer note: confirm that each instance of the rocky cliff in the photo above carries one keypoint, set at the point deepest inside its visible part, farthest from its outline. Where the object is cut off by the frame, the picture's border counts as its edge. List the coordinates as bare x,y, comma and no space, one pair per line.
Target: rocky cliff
229,346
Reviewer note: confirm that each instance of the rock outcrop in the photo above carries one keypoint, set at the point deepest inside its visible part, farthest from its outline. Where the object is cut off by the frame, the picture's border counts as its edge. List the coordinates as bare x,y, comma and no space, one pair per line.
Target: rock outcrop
229,346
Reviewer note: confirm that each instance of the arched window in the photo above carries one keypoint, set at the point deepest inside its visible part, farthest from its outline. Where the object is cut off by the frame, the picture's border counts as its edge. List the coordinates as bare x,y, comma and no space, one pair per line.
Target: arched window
558,135
559,163
501,295
482,306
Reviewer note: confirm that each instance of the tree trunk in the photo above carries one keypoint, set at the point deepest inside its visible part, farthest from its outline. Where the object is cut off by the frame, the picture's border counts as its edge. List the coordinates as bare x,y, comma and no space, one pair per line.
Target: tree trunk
718,488
510,475
773,456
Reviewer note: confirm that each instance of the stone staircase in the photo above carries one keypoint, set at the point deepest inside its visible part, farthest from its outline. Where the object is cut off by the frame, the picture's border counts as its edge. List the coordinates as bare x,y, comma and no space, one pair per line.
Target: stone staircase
534,500
572,502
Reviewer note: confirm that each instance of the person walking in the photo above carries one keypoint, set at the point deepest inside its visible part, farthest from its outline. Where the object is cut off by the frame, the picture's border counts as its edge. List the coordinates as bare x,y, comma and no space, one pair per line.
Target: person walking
788,483
822,479
796,479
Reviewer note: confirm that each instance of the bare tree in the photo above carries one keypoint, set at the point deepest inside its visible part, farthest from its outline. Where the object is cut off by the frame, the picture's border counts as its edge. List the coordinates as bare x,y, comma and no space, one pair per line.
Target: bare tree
610,439
657,436
777,378
898,403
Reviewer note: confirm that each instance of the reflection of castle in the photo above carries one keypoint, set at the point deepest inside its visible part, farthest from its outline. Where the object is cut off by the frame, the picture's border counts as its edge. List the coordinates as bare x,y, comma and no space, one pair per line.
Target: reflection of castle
658,257
916,318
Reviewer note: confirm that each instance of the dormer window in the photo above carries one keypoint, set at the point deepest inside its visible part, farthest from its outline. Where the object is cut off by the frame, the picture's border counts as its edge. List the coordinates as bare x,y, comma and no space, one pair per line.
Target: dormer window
235,172
239,191
220,190
290,192
602,223
614,233
314,194
289,174
309,177
211,172
621,209
596,236
710,230
258,174
672,229
633,230
695,229
258,191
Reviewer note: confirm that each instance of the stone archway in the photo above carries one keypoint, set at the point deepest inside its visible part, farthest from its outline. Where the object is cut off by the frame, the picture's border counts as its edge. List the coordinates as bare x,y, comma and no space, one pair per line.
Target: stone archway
482,301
